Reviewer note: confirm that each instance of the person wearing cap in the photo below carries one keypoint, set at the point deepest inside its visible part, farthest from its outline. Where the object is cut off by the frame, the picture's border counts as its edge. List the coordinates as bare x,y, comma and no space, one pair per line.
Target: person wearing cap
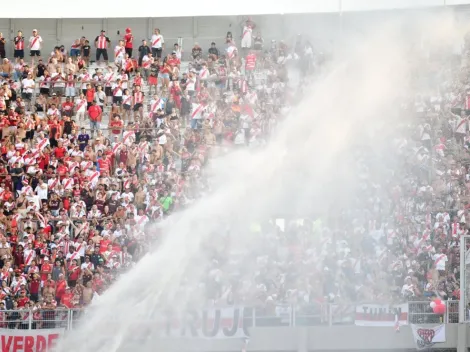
102,43
129,40
35,43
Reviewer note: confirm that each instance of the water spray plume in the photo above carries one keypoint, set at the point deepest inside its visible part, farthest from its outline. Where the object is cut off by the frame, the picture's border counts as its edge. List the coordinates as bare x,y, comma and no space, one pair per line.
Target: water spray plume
307,167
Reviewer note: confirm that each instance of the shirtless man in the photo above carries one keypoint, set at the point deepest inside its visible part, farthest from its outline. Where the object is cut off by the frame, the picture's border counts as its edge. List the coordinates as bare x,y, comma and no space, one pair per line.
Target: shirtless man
6,68
87,294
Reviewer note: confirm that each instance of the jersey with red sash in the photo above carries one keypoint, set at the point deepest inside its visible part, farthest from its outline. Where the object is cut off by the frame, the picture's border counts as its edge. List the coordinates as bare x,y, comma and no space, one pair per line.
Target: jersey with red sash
102,42
19,43
138,97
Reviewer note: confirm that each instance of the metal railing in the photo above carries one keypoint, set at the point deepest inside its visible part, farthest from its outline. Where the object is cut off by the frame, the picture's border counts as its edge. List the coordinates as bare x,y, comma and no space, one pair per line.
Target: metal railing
281,315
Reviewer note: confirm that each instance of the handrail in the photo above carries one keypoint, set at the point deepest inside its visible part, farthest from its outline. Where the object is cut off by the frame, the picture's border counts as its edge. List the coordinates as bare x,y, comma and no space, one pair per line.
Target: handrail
283,315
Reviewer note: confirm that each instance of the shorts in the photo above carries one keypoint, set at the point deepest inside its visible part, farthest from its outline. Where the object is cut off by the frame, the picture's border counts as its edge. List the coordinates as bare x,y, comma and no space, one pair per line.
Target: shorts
157,52
100,52
108,91
153,81
44,91
129,52
33,53
117,100
27,96
19,54
30,134
70,91
164,75
137,106
127,107
74,52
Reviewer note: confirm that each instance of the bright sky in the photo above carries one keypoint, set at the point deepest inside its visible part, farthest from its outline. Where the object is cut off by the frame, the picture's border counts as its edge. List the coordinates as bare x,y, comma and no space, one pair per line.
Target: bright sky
108,9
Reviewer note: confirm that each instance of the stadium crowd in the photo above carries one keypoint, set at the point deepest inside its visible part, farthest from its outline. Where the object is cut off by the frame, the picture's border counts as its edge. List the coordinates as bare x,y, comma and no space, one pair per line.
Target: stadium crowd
76,201
76,195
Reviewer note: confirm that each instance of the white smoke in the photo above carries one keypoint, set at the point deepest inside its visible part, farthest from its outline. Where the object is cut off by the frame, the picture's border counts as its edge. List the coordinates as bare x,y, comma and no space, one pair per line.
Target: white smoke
308,166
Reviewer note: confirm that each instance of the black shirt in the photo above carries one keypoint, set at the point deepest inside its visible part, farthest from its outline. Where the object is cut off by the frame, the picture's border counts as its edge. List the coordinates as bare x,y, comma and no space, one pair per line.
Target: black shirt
17,171
154,69
214,51
144,50
41,69
86,50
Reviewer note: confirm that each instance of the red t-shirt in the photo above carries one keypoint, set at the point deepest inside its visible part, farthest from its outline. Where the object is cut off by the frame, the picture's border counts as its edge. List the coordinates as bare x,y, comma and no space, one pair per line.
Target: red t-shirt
94,111
174,61
104,164
90,95
129,38
74,272
47,268
22,301
66,299
34,287
67,106
59,152
115,123
60,290
104,245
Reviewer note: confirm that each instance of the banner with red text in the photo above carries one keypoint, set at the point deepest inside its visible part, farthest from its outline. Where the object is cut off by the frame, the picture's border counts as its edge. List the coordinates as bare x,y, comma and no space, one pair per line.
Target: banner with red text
381,314
29,340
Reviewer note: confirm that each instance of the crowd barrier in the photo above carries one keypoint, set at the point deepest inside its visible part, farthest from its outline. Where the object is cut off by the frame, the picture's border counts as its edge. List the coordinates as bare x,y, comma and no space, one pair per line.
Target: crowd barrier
375,314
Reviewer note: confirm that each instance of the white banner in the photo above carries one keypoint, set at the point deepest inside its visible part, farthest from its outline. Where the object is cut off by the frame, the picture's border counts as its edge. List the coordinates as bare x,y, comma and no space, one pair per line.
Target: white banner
381,314
214,323
426,337
29,340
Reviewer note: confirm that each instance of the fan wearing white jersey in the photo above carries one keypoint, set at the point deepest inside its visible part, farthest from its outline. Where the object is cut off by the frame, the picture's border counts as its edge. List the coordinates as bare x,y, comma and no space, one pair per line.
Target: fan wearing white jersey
158,43
35,43
119,52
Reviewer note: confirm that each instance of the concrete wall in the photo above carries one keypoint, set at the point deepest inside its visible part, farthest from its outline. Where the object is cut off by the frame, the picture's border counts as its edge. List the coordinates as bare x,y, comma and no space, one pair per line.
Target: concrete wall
322,29
350,338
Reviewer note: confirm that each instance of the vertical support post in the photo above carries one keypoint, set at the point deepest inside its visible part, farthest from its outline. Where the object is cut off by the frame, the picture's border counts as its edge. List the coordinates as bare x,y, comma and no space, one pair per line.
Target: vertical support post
292,316
463,284
253,314
330,314
462,330
195,28
149,29
30,320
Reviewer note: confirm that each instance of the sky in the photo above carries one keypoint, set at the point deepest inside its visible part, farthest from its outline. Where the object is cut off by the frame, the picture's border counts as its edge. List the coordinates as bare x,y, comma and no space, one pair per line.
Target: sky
106,9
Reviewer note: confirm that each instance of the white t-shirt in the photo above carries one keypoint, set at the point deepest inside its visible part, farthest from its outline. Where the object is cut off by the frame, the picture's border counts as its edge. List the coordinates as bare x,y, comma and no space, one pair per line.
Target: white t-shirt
117,92
60,80
157,41
440,260
28,85
124,79
119,52
35,42
79,106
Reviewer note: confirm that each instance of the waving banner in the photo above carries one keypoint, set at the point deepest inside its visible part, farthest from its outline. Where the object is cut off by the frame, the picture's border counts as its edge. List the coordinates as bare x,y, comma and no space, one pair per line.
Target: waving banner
425,336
